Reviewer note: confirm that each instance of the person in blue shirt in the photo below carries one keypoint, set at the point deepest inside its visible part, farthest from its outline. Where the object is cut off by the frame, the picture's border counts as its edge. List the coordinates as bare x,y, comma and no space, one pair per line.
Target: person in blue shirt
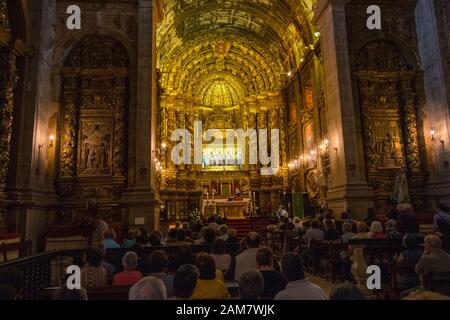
109,242
442,220
130,240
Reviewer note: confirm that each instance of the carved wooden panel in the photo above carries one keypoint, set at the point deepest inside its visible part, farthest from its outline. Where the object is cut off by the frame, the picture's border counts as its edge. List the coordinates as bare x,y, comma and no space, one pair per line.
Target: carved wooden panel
94,136
8,79
386,88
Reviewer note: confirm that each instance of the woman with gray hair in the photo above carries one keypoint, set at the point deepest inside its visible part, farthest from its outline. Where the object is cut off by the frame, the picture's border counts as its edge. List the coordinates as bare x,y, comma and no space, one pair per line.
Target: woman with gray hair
129,275
251,285
148,288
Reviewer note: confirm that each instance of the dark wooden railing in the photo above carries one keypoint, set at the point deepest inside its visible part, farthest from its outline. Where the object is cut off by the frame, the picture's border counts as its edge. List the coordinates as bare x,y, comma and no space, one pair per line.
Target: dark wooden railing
31,275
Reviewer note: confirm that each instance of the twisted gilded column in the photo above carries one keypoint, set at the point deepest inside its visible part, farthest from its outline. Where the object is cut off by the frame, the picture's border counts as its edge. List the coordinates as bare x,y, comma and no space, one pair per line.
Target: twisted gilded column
8,79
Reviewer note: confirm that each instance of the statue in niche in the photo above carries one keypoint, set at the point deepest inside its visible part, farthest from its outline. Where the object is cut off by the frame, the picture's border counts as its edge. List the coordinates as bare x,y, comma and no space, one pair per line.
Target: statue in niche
95,151
401,189
389,150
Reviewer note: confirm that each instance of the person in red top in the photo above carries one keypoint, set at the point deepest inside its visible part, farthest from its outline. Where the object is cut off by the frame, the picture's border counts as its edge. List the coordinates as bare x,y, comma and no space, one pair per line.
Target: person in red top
129,276
376,230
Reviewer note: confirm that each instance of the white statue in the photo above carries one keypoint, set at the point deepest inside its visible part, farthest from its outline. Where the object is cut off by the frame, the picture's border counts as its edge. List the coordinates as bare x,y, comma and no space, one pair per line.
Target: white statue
401,190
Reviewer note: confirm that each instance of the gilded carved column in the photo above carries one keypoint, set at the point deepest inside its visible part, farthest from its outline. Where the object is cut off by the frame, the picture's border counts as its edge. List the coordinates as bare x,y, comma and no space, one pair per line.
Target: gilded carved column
8,79
69,136
171,123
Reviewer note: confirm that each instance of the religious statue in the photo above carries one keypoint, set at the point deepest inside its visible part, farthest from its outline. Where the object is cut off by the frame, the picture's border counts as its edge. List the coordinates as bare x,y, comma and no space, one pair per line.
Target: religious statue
389,149
401,190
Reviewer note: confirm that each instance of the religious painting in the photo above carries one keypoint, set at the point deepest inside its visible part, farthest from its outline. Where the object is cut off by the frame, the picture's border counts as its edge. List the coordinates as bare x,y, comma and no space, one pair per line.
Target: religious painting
308,136
309,100
95,147
293,113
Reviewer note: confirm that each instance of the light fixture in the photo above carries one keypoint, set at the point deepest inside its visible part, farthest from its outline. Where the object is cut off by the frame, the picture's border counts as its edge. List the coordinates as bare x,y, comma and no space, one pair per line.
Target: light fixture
317,34
432,133
51,138
163,145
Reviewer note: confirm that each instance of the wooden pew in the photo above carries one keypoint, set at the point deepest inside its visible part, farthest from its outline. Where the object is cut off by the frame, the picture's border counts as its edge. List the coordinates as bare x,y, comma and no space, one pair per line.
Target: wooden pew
438,282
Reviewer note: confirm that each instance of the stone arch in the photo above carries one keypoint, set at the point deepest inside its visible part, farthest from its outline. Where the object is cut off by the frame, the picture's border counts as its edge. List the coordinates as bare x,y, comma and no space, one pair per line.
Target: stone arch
70,40
94,112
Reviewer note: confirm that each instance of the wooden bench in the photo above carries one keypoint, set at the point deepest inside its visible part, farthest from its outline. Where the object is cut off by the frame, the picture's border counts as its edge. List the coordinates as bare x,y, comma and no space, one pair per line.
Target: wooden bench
438,282
22,248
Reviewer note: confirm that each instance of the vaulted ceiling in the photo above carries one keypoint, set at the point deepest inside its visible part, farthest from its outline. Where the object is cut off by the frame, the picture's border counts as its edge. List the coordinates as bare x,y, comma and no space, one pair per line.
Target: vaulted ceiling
223,51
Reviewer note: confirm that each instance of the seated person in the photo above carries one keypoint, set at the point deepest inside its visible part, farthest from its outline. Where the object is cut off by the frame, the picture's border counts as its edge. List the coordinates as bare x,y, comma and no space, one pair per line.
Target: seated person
247,259
346,291
361,231
410,256
376,230
130,239
298,288
221,259
208,286
148,288
347,232
251,285
232,236
330,230
223,232
274,281
185,281
158,264
129,276
390,225
109,242
92,274
434,259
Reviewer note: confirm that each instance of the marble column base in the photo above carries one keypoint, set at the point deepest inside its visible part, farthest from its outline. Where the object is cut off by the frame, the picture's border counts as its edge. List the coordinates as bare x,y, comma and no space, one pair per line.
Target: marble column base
143,208
358,197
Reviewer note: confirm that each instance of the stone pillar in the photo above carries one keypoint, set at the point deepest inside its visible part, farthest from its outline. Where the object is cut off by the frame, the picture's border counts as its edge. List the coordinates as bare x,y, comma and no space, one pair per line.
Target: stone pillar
437,90
349,185
141,196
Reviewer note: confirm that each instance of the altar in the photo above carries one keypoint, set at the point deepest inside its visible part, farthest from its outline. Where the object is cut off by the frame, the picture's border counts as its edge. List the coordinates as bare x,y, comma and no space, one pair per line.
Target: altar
230,209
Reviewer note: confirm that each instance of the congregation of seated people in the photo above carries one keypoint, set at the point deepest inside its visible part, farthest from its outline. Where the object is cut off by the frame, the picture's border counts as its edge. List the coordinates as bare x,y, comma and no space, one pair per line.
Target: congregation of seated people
255,269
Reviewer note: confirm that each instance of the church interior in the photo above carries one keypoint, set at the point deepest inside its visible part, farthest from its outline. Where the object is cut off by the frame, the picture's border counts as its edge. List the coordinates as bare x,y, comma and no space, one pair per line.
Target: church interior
131,126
